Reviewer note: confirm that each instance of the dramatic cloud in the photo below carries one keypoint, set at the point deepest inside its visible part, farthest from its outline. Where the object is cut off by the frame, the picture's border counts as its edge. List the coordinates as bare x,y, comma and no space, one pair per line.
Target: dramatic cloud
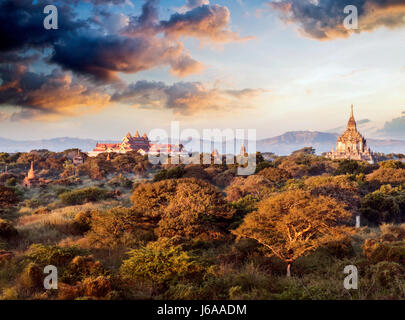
102,52
84,58
104,56
47,96
207,21
184,97
323,19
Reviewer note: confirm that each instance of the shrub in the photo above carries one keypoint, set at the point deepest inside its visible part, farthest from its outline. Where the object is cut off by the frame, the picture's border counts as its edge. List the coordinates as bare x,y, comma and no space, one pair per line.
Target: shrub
160,265
52,255
120,227
7,231
174,173
32,278
386,274
81,267
378,207
11,182
82,221
353,167
81,196
96,287
377,251
8,196
390,232
263,165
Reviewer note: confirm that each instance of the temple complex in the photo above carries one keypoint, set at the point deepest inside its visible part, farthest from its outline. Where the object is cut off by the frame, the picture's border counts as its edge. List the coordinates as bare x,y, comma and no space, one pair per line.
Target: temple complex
351,144
136,143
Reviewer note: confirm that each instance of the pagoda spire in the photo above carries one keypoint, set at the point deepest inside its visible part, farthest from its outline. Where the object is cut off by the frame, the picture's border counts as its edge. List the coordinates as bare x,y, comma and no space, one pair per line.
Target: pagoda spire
352,122
31,172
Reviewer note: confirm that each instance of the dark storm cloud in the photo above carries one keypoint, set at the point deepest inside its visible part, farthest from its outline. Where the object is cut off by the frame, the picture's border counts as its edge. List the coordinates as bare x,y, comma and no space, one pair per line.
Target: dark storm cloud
323,19
104,56
22,25
84,56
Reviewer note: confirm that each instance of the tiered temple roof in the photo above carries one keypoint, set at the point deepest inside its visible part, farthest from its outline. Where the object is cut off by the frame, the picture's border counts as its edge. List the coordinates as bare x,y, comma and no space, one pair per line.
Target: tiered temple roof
351,144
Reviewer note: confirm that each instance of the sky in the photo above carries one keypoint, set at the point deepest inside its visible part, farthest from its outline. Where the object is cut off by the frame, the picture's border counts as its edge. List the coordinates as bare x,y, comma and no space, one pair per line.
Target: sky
114,66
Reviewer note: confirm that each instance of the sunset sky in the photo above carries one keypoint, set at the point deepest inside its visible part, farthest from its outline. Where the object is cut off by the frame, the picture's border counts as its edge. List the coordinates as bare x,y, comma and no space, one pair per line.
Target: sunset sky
123,65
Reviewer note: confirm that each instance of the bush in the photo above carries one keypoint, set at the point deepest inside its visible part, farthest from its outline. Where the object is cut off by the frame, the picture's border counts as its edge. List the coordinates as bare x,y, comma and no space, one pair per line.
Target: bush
11,182
120,227
31,279
7,231
160,265
174,173
81,267
386,274
353,167
378,207
81,196
82,221
377,251
8,196
52,255
96,287
390,232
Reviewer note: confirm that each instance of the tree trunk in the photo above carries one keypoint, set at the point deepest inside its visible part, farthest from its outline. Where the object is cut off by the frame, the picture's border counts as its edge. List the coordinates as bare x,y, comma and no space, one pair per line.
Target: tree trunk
289,270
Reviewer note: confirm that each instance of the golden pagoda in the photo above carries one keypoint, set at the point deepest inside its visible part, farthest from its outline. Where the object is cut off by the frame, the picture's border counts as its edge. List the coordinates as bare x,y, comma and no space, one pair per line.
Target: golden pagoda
30,179
351,144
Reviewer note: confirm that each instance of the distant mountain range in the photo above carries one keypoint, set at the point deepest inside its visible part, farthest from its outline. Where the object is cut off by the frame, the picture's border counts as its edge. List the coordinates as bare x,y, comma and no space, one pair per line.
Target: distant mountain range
321,142
281,145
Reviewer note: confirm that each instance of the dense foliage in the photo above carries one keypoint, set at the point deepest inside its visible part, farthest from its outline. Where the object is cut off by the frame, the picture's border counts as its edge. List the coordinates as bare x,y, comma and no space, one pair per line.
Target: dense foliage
118,227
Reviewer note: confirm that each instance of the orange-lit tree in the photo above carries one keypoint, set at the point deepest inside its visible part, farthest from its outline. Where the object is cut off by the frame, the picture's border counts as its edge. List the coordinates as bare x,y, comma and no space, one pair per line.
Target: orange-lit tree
295,223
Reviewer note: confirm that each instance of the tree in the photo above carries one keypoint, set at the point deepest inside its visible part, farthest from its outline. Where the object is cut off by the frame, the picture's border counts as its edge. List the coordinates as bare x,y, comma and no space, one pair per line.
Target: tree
186,207
152,198
295,223
197,210
276,176
255,185
378,207
120,227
